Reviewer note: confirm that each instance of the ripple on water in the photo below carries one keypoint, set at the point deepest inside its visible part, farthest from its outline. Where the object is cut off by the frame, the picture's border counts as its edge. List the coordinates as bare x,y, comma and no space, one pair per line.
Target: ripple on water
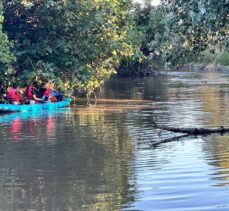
175,177
102,157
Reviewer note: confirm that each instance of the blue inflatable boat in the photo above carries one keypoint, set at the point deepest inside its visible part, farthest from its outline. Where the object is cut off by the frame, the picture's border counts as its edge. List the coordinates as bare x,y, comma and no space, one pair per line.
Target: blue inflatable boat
35,107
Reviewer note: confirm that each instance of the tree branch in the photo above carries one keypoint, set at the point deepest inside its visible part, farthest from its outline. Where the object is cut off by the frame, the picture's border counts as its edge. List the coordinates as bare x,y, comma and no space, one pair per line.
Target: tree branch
188,132
195,131
176,138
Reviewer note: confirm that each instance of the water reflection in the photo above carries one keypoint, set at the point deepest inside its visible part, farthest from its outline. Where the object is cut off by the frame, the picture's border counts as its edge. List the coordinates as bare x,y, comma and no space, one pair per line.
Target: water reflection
135,88
15,128
51,126
81,167
178,176
100,157
219,158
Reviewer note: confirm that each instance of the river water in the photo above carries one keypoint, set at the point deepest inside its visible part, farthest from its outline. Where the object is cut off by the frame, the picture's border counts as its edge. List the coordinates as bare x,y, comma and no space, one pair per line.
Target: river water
103,156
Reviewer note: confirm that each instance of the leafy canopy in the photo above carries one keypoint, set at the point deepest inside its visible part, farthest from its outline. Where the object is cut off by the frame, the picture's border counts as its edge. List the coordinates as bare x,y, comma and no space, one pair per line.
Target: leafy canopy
75,43
6,56
178,30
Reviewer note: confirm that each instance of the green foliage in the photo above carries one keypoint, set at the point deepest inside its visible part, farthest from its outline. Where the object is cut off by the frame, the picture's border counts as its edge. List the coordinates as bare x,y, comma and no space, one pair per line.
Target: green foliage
206,57
177,31
149,25
74,43
191,26
79,44
6,56
223,58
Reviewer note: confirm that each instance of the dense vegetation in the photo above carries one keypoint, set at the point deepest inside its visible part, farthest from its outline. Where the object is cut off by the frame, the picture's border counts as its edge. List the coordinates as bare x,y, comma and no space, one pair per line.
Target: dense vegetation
79,44
179,31
6,57
74,43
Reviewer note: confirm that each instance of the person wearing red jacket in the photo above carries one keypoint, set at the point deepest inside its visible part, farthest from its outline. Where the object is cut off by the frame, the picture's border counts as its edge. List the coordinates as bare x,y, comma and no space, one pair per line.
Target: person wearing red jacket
30,94
48,92
14,95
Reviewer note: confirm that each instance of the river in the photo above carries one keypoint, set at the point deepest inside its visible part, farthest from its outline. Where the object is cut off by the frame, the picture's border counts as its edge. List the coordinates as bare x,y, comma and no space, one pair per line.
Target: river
102,157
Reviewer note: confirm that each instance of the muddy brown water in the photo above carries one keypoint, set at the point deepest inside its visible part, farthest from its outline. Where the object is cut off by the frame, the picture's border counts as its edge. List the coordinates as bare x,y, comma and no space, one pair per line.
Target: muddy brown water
101,157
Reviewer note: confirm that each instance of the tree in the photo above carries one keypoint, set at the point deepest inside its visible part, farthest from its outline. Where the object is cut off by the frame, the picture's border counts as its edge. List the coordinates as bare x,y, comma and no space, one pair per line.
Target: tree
6,57
148,24
191,26
75,43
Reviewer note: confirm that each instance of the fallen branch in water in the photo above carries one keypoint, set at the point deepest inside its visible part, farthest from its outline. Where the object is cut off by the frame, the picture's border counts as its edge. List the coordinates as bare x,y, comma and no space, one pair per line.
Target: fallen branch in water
195,131
176,138
188,132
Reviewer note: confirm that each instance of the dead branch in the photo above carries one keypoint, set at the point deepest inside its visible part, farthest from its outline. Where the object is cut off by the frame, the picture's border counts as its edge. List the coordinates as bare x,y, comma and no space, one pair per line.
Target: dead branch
195,131
188,132
176,138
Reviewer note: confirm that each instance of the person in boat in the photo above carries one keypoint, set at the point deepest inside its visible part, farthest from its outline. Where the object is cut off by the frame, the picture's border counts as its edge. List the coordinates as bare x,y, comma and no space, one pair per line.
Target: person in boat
14,96
30,94
56,95
3,95
51,94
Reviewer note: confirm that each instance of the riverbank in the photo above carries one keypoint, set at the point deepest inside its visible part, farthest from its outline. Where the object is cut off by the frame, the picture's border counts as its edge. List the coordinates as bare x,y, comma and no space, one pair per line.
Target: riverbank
202,67
155,71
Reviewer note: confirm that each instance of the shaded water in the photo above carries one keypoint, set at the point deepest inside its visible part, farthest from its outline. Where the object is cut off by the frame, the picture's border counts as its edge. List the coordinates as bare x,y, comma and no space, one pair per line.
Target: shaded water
101,157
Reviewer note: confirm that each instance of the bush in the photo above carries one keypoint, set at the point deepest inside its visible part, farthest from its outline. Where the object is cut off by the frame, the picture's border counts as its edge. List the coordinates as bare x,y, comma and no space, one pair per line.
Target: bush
223,59
206,57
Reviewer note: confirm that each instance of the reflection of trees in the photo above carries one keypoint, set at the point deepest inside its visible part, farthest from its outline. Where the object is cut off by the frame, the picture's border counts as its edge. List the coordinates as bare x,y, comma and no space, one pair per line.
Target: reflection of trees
218,150
210,92
135,88
78,162
215,101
